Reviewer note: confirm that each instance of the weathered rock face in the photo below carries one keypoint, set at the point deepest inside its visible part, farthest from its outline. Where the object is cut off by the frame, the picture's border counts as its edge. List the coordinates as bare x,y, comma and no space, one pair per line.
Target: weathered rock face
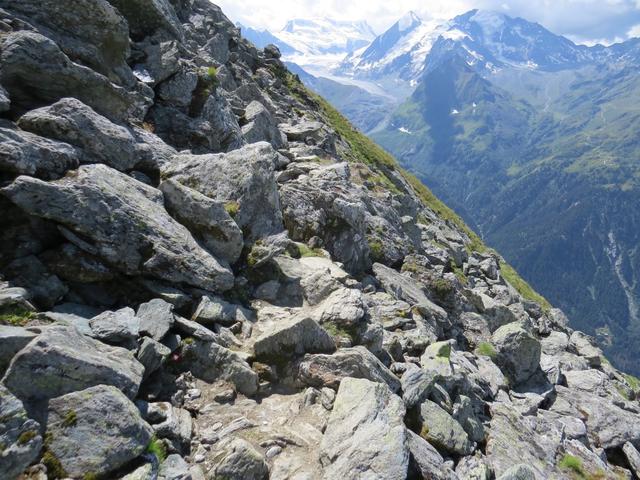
243,180
124,223
19,436
183,226
365,436
95,430
67,361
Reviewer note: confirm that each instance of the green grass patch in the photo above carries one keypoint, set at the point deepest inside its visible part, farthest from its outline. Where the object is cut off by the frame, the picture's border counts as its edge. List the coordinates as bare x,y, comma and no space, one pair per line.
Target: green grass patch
633,382
70,419
442,288
486,349
157,449
55,469
305,251
213,73
376,250
232,208
523,288
571,463
15,315
26,437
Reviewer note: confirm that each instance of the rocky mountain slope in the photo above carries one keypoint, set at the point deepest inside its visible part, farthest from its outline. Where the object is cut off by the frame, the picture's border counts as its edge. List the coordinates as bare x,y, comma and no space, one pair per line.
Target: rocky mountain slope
208,273
532,137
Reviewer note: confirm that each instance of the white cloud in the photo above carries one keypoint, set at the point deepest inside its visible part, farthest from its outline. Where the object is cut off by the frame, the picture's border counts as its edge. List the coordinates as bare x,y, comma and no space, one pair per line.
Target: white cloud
605,20
634,31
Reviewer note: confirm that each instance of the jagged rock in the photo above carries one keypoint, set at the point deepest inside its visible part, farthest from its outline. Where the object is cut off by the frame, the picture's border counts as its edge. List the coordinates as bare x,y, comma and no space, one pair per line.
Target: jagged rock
436,358
209,361
143,472
292,337
19,436
156,318
5,101
518,352
442,430
67,361
12,340
212,310
243,180
193,329
91,33
365,436
178,90
120,327
425,460
145,17
473,468
23,153
151,355
207,219
329,370
318,286
71,121
417,385
125,223
261,126
633,457
224,125
30,62
96,430
464,414
585,348
344,308
29,272
174,468
241,462
176,426
531,440
405,288
72,264
301,131
519,472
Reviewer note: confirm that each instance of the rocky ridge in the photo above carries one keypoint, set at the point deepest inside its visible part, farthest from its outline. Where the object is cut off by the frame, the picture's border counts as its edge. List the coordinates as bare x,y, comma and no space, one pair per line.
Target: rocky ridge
208,273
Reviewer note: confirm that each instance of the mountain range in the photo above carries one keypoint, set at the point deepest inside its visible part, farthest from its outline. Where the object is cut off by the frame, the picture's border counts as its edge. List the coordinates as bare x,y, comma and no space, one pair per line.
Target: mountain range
533,139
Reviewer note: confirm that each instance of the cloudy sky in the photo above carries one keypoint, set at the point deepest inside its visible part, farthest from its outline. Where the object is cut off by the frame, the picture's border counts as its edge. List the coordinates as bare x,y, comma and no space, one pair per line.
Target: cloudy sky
585,21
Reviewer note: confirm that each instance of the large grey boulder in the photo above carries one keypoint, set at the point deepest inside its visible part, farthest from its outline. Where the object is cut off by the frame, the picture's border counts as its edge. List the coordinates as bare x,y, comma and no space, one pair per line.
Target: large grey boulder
518,352
146,17
211,362
206,219
90,32
320,370
174,468
214,310
19,437
519,472
584,346
365,437
292,337
633,457
417,385
30,62
120,327
242,179
241,461
100,140
23,153
96,430
156,318
425,461
151,354
12,340
61,360
261,126
442,430
124,223
45,289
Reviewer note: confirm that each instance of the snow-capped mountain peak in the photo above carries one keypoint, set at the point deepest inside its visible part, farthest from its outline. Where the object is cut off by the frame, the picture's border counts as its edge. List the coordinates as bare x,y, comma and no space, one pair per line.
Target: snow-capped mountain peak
408,21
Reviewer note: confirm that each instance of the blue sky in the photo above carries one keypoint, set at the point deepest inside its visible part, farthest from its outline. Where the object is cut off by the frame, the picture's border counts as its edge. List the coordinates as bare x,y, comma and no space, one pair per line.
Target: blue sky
584,21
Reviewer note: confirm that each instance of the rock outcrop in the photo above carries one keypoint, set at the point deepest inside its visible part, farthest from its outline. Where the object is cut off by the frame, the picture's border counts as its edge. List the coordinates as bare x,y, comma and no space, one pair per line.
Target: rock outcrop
205,272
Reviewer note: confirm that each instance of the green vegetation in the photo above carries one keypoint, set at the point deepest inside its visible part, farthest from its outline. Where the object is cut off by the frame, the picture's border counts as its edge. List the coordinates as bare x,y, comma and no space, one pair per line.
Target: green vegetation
633,382
232,208
569,462
459,273
157,448
376,249
70,419
55,469
90,476
338,331
486,349
26,437
15,315
523,288
213,73
305,251
442,288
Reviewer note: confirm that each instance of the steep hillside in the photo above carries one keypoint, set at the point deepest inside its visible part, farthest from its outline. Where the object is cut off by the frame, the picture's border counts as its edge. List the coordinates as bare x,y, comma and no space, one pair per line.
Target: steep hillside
207,272
533,138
